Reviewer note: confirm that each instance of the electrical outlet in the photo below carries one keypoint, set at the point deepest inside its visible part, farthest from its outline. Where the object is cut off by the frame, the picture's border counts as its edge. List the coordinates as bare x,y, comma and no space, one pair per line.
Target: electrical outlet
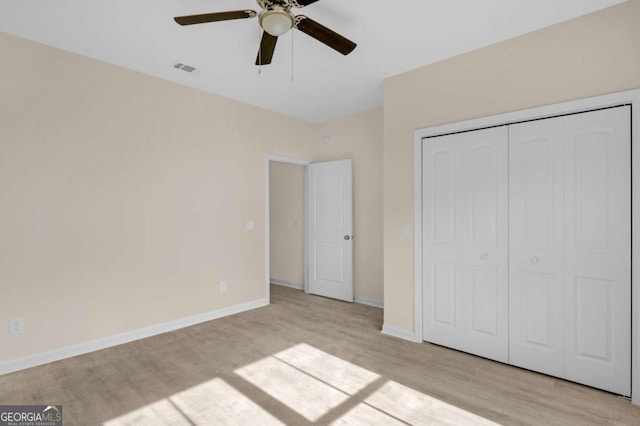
16,325
223,286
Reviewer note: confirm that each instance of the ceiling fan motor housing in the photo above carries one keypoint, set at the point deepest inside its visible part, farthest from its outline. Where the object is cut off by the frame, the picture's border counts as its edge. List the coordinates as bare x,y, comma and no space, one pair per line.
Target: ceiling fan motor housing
276,17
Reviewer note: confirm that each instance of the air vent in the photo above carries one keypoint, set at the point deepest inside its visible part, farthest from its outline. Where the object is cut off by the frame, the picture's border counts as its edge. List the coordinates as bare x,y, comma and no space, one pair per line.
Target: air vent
183,67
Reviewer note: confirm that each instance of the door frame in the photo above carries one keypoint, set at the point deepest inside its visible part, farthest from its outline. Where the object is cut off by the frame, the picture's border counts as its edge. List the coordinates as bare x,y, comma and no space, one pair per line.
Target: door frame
631,97
287,160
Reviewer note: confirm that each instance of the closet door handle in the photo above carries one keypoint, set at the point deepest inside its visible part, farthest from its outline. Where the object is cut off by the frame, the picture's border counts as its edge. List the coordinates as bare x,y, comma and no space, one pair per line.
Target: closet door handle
535,259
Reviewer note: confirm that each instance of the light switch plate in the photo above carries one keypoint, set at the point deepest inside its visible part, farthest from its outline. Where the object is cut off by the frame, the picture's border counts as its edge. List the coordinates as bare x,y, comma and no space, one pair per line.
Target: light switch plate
16,325
251,226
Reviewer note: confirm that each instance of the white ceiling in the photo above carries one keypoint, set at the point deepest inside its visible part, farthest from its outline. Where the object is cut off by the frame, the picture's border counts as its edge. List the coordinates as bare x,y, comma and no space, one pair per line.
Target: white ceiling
393,37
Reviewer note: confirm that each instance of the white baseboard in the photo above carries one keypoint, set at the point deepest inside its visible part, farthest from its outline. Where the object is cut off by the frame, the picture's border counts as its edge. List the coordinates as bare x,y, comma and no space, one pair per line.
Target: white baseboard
286,283
369,302
401,334
129,336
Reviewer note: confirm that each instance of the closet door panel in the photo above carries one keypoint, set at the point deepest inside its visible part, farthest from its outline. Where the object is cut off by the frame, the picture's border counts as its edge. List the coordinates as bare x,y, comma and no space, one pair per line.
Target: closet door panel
598,249
465,290
536,218
484,242
441,242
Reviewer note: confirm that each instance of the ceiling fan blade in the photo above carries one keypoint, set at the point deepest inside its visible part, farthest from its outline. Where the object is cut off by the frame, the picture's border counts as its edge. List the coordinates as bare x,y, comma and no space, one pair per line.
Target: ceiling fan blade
303,3
324,35
267,47
215,17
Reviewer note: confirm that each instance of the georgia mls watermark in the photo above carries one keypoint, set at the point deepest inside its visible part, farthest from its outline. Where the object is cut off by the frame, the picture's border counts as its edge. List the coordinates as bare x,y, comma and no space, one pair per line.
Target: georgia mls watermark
30,415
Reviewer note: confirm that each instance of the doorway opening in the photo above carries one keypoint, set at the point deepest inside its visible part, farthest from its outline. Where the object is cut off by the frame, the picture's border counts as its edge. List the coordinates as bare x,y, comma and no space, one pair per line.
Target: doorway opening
285,214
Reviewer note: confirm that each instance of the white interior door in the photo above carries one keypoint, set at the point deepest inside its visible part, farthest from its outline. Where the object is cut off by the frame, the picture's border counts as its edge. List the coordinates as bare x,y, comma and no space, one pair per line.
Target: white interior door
330,229
442,242
485,280
536,241
465,242
598,249
570,247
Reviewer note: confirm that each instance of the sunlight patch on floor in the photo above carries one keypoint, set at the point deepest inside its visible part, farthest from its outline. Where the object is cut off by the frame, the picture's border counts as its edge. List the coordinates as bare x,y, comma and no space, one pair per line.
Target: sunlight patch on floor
416,408
309,382
335,371
297,390
217,402
365,415
212,402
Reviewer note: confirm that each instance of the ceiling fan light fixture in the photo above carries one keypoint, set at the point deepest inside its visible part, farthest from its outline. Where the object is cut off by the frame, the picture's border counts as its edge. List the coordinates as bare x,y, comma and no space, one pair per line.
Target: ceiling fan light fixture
276,22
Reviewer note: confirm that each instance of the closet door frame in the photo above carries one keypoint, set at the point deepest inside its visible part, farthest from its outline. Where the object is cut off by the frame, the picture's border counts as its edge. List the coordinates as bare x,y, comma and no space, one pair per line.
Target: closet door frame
632,98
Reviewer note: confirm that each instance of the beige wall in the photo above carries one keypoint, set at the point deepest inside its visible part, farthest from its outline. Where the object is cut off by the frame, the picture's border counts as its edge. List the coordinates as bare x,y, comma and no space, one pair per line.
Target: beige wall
588,56
286,217
359,137
124,197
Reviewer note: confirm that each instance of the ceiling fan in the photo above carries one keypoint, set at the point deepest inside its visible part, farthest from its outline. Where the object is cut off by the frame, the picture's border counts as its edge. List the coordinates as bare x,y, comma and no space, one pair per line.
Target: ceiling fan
276,19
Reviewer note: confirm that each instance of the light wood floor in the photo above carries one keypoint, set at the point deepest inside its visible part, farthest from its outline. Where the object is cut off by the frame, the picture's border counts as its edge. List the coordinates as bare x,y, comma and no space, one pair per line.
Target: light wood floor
302,360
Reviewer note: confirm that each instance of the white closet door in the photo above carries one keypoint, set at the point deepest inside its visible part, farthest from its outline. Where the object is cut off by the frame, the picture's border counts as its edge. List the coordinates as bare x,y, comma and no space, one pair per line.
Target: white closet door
536,235
485,281
598,249
442,244
465,242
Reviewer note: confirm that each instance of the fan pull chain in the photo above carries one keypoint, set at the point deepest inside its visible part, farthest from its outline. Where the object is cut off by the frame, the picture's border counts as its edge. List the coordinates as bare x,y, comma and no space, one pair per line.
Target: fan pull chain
292,54
259,51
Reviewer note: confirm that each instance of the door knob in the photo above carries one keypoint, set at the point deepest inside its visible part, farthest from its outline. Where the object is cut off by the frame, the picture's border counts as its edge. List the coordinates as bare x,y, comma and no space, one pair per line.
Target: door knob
535,260
346,237
484,256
